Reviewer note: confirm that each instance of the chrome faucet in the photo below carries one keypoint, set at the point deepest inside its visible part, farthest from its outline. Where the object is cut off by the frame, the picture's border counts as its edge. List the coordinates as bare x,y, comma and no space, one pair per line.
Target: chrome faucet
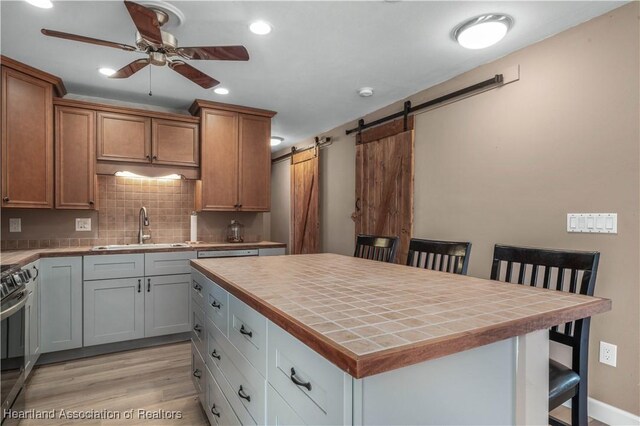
143,221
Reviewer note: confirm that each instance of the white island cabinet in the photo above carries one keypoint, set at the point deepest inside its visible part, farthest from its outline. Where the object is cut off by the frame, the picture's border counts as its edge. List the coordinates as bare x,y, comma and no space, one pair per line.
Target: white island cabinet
327,340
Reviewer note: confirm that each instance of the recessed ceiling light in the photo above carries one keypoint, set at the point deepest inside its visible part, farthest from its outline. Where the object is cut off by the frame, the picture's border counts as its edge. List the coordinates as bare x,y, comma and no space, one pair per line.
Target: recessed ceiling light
482,31
276,140
221,91
43,4
365,92
260,28
107,71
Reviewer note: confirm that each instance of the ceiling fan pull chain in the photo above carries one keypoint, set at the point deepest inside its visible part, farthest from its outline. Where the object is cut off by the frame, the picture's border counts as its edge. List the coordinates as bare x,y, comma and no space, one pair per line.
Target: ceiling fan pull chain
150,94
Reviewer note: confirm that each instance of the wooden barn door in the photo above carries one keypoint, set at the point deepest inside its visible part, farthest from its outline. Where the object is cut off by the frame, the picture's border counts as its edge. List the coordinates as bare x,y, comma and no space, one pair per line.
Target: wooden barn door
305,223
384,183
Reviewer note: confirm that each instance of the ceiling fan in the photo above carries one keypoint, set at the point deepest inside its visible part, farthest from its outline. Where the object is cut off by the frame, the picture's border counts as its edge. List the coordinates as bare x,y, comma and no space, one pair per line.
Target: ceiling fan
161,47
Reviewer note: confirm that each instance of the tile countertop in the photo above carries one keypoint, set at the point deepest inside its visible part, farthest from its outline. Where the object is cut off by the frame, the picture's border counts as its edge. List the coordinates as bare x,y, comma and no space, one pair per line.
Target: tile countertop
24,257
368,317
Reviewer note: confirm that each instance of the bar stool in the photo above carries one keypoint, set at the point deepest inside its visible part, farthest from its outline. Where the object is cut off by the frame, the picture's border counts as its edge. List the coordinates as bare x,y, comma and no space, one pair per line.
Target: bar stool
444,256
375,247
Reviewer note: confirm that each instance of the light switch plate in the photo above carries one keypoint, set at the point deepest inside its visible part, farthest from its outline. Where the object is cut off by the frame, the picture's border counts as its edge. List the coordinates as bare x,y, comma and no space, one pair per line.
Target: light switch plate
15,225
83,224
598,223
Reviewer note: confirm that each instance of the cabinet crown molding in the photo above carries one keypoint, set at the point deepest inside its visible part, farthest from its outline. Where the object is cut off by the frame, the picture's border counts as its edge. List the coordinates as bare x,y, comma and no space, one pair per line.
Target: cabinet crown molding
199,104
124,110
56,82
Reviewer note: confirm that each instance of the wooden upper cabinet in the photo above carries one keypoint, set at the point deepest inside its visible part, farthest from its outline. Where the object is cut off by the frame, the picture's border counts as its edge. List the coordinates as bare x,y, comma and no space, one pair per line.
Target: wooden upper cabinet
27,140
75,141
218,188
123,137
236,157
255,163
174,143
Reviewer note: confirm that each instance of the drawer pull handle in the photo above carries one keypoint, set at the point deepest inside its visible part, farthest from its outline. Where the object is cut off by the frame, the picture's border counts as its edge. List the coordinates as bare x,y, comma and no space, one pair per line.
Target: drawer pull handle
197,328
139,284
215,355
298,382
198,287
197,374
243,395
148,285
245,332
216,305
213,411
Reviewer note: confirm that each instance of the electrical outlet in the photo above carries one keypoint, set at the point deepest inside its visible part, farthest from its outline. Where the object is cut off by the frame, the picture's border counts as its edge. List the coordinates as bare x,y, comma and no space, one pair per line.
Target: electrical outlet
83,224
15,225
608,353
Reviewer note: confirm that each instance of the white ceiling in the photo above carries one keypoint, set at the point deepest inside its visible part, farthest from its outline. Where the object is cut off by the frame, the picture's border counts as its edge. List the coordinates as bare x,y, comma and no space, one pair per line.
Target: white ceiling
307,69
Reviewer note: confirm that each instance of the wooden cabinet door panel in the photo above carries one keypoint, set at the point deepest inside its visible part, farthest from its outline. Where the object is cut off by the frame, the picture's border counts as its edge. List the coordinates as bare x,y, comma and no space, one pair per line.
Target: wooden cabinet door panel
123,137
219,161
75,140
174,143
255,163
27,141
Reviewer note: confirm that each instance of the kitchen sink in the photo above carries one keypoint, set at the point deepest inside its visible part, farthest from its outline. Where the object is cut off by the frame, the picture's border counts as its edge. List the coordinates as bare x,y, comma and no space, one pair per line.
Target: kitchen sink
139,246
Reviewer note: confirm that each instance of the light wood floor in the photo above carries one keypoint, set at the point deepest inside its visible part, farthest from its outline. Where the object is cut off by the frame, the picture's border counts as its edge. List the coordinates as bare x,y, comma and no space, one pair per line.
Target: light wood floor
151,379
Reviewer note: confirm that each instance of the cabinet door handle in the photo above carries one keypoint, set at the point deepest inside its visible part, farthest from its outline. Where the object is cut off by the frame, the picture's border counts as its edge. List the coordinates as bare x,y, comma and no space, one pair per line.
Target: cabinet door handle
139,285
155,157
198,287
216,305
215,355
243,395
197,328
197,373
245,332
213,411
148,157
5,199
148,285
299,382
239,205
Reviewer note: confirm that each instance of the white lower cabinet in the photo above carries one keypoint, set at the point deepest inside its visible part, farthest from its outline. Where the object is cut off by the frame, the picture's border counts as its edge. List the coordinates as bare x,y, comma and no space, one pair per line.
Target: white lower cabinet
279,412
60,286
198,374
166,305
217,407
32,320
113,310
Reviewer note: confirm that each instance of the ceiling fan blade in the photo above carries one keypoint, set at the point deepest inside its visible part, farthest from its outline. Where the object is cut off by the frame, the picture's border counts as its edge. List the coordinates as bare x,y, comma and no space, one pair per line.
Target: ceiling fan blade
83,39
220,53
130,69
193,74
146,22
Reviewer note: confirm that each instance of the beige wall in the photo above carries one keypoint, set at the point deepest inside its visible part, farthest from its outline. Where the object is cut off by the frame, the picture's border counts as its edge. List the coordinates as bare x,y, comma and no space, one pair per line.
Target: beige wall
507,165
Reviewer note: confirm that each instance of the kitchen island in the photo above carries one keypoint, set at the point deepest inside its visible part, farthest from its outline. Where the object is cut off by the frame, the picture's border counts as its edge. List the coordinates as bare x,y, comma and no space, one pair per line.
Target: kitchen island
326,339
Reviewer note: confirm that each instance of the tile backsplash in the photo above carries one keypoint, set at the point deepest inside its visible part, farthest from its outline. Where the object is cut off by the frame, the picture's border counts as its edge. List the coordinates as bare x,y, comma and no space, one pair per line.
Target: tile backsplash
169,205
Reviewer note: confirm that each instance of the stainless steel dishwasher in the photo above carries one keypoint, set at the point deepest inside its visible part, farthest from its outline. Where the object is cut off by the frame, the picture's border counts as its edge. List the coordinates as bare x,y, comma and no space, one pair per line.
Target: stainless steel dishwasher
207,254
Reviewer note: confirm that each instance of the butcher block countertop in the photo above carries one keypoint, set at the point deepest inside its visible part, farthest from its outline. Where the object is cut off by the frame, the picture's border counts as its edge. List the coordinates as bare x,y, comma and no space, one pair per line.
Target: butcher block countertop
369,317
24,257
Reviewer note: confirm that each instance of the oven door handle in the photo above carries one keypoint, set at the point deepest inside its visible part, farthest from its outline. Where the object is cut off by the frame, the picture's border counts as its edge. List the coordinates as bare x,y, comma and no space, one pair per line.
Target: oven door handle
15,308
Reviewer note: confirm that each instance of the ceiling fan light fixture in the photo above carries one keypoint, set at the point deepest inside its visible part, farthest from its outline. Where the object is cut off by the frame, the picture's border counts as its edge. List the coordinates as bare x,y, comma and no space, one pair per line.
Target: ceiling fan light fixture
221,90
276,140
482,31
260,27
42,4
107,71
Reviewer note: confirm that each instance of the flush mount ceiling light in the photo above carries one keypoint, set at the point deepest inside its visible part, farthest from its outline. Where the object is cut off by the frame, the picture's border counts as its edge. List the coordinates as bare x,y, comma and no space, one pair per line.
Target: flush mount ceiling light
260,28
482,31
134,175
276,140
365,92
42,4
221,91
107,71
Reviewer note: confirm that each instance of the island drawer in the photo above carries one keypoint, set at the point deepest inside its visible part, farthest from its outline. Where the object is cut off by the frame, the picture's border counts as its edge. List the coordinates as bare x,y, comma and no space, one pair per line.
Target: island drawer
198,334
248,333
109,266
247,384
198,285
243,415
198,373
217,306
279,412
168,263
218,410
317,390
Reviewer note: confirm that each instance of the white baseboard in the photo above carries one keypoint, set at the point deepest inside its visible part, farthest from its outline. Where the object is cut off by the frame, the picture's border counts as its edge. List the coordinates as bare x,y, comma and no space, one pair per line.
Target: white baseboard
609,414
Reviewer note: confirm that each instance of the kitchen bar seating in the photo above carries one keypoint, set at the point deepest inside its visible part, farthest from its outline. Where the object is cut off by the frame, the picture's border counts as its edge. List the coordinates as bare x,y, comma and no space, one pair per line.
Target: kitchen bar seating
568,271
375,247
444,256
